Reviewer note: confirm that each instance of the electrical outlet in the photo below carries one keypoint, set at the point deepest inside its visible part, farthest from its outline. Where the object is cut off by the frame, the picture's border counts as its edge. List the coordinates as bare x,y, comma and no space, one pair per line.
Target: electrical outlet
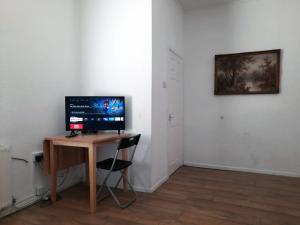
37,156
14,200
39,190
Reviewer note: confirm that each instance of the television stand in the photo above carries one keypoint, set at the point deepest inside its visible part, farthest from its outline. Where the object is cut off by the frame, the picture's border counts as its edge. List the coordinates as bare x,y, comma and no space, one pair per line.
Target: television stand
72,134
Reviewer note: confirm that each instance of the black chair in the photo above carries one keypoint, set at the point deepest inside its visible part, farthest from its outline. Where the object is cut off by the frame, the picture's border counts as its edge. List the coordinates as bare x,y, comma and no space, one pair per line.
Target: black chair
117,165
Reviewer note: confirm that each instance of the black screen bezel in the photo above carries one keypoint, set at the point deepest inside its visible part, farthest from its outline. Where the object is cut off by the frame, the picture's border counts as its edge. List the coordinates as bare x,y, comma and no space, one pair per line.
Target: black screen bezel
97,128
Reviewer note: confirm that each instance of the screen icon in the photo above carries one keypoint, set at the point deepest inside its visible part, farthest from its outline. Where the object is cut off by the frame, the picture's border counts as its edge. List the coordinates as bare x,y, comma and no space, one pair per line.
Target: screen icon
74,119
76,126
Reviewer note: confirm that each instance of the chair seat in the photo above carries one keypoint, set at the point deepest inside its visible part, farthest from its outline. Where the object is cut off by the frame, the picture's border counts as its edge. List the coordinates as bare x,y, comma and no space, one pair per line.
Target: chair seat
119,165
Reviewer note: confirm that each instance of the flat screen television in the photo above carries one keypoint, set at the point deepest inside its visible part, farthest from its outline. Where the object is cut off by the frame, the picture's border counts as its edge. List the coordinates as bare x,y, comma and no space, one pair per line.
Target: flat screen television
92,113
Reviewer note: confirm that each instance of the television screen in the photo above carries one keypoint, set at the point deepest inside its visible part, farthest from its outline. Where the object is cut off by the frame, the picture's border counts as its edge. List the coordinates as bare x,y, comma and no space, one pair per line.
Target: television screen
95,113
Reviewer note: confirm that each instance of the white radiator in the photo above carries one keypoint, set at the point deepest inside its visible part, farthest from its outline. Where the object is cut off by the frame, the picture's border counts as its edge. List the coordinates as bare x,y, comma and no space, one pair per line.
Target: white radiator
5,177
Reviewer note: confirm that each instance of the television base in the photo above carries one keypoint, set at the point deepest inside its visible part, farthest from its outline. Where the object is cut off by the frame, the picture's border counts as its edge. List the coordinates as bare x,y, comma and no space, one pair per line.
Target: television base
72,134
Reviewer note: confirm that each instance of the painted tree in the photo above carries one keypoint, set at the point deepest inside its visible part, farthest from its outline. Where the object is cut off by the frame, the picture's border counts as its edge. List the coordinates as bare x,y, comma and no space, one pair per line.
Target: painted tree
268,71
232,66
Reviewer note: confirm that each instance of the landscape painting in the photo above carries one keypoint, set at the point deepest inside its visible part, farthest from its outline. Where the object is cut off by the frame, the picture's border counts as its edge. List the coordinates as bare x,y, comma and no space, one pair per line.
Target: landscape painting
247,73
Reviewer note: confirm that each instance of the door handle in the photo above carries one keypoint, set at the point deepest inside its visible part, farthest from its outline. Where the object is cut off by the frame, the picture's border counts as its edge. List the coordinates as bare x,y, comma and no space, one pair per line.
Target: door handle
171,116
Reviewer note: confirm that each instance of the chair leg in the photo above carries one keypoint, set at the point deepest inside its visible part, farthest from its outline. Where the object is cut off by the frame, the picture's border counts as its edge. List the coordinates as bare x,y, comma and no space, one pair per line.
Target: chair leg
123,206
130,186
101,188
119,180
99,192
115,198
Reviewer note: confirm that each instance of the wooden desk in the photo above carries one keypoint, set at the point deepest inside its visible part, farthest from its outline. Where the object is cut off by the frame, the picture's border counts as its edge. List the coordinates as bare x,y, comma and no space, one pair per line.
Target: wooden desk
53,146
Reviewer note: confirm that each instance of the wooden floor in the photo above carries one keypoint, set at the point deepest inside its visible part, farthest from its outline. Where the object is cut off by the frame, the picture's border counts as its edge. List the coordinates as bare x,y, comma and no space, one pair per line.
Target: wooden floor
191,196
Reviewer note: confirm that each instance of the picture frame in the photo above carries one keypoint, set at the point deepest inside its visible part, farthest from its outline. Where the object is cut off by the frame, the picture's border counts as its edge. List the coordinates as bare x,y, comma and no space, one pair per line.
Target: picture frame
248,73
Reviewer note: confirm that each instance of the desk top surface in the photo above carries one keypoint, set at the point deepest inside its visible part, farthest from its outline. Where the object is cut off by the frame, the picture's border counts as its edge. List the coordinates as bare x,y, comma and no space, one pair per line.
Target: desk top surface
90,138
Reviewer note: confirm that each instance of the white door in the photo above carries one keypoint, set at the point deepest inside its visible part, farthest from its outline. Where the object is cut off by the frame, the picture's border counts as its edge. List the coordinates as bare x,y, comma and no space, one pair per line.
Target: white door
175,112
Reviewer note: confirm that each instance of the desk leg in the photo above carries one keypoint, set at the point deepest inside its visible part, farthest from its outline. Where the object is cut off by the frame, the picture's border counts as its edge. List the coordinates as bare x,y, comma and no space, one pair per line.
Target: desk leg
87,167
92,177
125,157
53,168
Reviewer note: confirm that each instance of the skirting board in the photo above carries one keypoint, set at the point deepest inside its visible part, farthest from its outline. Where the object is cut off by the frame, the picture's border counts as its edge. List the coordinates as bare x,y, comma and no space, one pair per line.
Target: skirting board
242,169
153,188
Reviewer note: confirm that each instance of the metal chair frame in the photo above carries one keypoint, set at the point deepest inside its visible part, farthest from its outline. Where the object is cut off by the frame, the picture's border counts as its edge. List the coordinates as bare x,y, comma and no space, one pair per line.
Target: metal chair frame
124,143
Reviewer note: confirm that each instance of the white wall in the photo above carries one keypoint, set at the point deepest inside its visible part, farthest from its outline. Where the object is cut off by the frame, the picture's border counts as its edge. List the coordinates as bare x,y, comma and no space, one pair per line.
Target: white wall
258,132
117,47
38,67
167,33
116,60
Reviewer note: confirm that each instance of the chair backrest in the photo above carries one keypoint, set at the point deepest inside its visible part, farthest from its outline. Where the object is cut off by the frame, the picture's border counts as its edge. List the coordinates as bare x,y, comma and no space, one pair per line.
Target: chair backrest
129,142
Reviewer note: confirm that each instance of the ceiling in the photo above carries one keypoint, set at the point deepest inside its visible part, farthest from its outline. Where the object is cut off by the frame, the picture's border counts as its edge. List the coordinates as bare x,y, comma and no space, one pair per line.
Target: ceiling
192,4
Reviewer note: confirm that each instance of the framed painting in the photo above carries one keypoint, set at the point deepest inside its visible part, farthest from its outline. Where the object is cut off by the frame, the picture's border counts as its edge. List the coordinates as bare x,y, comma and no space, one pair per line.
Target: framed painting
248,73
